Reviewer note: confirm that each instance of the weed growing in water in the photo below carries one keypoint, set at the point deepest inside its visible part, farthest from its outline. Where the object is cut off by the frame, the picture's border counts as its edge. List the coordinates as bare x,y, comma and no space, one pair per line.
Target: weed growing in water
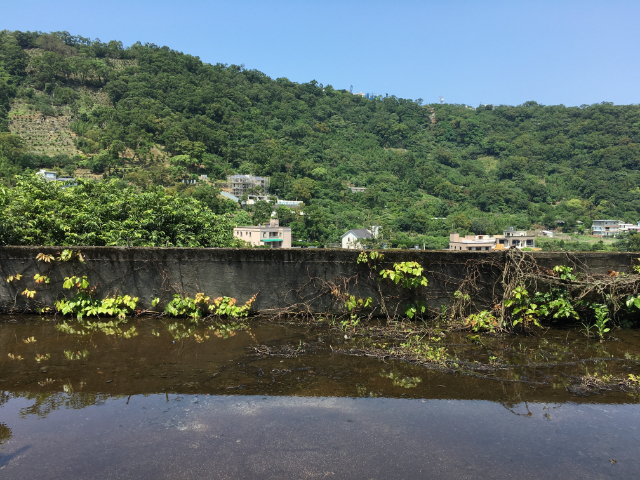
480,321
401,381
82,304
602,318
416,347
201,305
69,355
525,311
40,358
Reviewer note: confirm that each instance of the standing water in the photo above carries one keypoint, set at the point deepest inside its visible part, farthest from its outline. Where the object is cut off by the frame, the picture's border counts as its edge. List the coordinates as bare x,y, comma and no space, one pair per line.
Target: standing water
282,401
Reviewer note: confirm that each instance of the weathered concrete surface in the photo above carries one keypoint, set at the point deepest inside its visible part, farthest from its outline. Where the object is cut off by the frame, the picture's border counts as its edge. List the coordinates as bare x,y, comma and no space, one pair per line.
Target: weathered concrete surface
282,278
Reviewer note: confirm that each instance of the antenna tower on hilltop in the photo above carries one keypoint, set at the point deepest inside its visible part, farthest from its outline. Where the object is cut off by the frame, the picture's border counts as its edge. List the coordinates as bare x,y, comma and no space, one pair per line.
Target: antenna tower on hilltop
441,99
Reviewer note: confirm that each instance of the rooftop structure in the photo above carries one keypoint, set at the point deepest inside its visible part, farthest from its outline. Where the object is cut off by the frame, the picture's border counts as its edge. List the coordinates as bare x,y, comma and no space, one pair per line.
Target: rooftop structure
289,203
358,189
229,196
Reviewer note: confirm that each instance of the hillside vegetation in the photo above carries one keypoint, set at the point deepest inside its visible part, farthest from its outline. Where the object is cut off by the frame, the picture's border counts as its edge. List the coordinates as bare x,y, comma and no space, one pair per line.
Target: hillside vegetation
154,117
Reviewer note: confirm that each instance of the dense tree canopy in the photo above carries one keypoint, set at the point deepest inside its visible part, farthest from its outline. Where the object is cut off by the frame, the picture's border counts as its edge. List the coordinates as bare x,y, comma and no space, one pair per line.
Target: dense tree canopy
428,169
36,212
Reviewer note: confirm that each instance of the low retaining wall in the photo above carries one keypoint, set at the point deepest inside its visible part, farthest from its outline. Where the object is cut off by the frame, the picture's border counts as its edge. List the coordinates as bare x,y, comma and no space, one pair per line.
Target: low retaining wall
298,279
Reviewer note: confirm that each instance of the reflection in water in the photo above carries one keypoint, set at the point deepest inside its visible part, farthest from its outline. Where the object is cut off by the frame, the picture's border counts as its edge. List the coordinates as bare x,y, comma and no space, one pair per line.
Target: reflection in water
189,358
5,433
230,436
45,403
291,402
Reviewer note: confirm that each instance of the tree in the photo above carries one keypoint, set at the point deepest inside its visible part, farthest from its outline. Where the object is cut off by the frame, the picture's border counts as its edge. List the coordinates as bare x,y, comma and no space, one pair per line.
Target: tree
11,146
261,212
304,188
107,213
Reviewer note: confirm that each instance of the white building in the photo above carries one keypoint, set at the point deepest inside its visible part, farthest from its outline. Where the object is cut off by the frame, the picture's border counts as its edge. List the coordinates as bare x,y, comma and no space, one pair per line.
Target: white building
515,238
53,177
629,227
471,242
509,239
606,228
353,238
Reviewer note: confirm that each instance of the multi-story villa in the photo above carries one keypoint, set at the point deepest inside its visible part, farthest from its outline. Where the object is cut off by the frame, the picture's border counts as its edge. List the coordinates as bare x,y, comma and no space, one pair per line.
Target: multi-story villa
606,228
272,235
239,184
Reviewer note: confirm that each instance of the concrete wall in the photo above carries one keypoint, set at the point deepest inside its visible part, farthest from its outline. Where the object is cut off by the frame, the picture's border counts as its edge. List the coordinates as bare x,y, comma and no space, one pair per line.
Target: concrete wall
282,278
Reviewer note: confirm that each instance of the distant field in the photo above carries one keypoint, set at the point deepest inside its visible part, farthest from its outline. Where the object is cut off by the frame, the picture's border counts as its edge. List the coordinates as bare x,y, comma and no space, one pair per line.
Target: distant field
583,238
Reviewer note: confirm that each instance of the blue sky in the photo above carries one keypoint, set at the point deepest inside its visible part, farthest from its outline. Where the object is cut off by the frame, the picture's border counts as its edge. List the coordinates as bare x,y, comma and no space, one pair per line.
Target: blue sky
470,51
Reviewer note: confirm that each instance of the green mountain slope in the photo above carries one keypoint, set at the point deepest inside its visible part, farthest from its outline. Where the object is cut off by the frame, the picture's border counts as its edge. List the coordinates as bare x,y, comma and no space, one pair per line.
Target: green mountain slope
152,115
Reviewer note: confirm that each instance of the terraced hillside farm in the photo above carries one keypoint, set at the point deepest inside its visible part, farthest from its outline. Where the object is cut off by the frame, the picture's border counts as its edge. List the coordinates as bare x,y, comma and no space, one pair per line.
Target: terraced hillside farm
48,131
42,134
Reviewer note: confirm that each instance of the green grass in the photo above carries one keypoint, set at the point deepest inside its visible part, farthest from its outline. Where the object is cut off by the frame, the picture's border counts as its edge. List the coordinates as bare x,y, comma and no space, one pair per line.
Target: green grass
586,239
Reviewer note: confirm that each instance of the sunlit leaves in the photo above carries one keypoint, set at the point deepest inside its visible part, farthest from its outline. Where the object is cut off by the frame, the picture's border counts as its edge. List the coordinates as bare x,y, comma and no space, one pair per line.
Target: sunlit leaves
633,302
83,305
407,273
352,302
45,258
79,355
41,358
201,305
15,277
104,213
79,282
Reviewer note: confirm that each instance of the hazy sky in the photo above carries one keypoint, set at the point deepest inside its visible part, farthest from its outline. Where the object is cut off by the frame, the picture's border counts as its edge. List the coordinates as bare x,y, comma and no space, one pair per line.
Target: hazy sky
469,51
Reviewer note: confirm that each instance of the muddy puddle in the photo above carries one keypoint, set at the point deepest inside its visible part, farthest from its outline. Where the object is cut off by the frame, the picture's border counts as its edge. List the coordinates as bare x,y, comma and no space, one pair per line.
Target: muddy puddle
285,401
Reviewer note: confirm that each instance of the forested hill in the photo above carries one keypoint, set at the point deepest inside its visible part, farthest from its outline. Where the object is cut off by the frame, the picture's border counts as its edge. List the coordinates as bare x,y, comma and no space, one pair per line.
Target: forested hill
151,115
